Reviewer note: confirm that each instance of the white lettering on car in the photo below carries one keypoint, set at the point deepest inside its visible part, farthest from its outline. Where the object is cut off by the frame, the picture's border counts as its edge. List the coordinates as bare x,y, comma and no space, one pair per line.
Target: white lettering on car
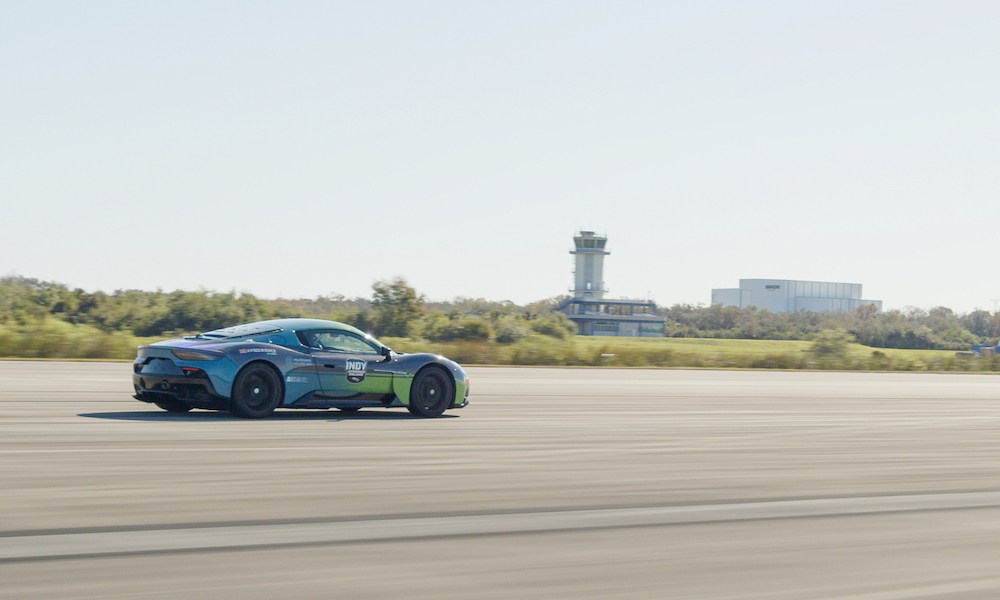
258,351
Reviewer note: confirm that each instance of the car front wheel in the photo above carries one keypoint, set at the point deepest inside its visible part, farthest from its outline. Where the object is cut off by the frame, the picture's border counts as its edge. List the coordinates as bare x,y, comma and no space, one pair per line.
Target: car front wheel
431,393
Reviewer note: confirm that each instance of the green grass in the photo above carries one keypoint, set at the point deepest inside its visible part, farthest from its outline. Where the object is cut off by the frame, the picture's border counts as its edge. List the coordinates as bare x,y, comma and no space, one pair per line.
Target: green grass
700,346
695,353
755,348
60,340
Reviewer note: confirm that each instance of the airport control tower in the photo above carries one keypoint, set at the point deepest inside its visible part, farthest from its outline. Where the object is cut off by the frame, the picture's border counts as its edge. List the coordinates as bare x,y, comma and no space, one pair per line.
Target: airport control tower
589,274
591,311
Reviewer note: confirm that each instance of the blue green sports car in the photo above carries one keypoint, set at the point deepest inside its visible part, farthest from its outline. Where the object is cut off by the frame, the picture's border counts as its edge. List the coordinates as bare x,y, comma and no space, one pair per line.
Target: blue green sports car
253,369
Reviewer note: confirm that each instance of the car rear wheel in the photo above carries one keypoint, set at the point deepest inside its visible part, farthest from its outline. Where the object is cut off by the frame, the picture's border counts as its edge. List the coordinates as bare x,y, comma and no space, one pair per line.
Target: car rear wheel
256,392
173,406
431,393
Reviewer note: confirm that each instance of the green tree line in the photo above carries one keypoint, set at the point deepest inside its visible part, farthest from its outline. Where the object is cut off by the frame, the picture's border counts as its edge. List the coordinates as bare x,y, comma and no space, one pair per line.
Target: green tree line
94,323
41,318
939,328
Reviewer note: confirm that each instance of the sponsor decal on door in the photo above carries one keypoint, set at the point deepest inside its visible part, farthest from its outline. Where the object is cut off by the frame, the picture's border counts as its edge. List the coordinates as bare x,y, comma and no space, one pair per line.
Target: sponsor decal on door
356,370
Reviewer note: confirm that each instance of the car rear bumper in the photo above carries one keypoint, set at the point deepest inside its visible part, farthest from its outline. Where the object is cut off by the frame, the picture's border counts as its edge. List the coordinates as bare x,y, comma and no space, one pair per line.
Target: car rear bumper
193,391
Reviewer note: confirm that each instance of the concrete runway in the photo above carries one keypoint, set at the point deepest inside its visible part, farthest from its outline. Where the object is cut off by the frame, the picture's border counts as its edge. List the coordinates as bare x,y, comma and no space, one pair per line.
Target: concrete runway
553,483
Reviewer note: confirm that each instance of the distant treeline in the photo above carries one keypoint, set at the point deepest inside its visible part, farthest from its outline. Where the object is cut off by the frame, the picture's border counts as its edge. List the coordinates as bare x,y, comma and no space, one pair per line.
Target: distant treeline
100,321
46,319
939,328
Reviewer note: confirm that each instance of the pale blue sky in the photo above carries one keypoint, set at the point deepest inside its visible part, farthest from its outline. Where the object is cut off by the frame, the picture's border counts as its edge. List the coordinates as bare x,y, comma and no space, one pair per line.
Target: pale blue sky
304,148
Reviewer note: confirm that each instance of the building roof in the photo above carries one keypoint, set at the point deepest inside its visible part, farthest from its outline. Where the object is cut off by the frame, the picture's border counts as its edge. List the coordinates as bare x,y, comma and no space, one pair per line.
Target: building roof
608,301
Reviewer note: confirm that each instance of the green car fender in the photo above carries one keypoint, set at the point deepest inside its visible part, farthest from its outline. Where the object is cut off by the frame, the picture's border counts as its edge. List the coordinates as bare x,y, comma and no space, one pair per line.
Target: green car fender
403,382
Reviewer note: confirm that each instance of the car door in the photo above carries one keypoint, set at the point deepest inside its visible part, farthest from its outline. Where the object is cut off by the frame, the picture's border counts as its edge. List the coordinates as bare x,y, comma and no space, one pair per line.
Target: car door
348,365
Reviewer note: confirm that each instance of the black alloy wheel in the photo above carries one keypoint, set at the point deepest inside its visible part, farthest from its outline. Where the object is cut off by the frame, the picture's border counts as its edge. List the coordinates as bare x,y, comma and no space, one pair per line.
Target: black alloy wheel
431,393
256,393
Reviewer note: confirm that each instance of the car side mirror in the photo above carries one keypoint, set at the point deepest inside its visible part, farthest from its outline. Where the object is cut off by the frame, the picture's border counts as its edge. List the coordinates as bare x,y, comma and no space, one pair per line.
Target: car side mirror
386,353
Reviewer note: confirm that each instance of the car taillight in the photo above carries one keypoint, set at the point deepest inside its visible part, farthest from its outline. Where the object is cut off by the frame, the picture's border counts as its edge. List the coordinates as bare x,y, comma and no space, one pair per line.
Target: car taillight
195,355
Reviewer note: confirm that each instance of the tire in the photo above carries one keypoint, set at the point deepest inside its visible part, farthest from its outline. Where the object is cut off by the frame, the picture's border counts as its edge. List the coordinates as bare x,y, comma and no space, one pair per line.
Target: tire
256,392
431,393
173,406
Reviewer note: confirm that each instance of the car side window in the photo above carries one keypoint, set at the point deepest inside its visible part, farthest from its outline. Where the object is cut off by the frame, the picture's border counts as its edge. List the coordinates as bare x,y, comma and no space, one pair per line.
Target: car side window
337,341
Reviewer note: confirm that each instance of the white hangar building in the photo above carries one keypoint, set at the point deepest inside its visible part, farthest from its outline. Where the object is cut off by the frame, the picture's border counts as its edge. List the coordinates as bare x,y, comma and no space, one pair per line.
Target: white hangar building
788,295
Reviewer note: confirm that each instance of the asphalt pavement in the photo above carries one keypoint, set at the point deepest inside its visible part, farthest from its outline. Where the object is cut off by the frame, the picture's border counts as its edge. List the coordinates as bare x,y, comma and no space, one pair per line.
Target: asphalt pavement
553,483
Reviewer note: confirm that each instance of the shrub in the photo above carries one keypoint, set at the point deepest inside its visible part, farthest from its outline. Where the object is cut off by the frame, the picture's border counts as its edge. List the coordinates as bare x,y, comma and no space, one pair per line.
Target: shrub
510,329
832,343
440,328
555,325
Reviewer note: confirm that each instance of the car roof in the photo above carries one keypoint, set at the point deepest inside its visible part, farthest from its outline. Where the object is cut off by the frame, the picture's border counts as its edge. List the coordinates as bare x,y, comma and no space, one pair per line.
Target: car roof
260,327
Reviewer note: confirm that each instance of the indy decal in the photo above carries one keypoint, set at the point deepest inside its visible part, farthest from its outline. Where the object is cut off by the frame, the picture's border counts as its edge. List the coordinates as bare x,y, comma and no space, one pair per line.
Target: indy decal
356,370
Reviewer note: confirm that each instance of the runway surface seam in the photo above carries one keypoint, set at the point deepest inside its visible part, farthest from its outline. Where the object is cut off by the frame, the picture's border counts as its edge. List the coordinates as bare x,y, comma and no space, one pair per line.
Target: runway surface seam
234,537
